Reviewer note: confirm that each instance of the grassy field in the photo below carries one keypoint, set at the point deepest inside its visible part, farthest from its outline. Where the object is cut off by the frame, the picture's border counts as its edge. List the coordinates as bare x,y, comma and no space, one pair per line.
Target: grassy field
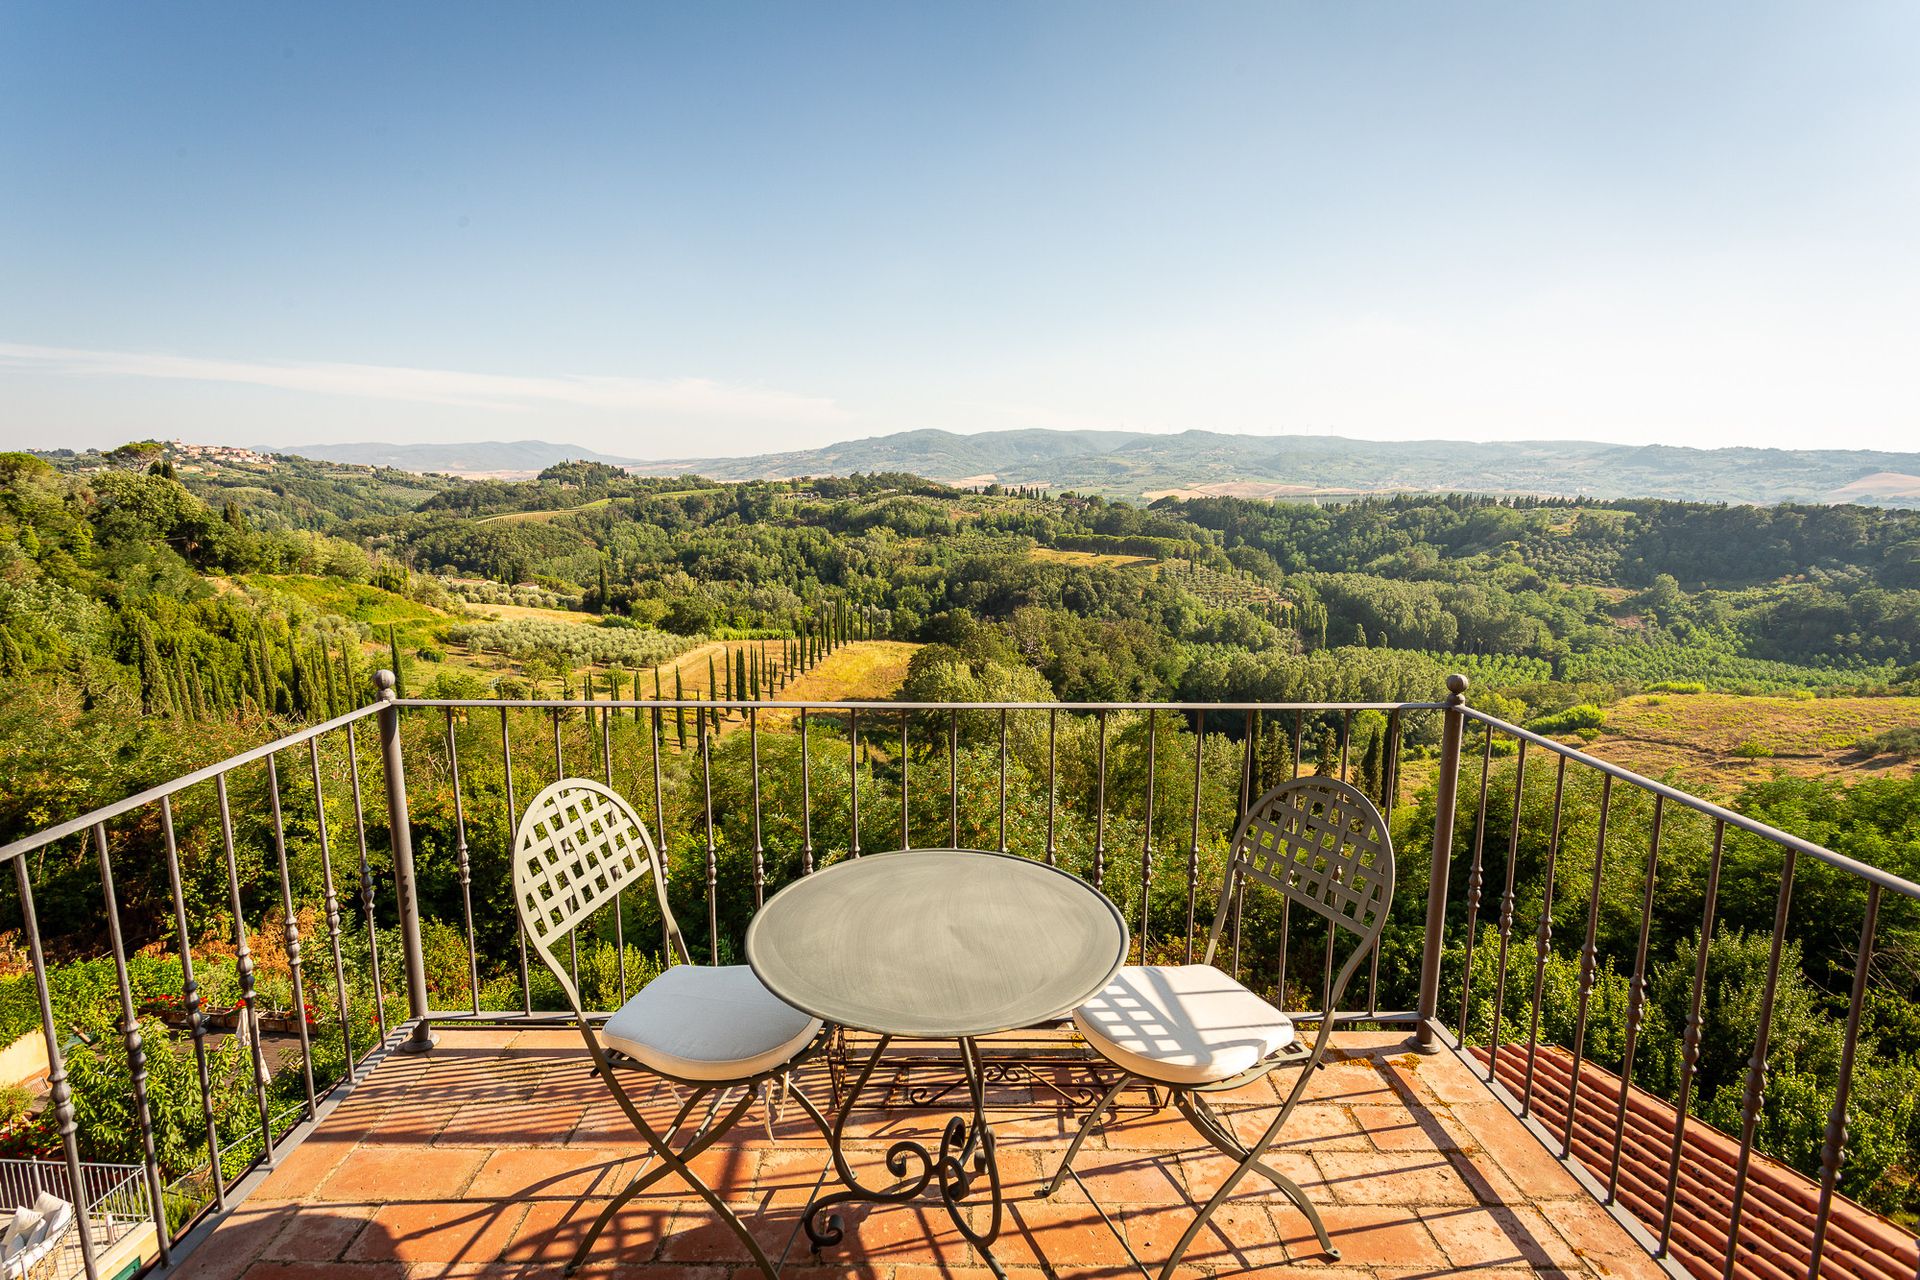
862,669
530,611
1723,740
521,517
354,600
1057,556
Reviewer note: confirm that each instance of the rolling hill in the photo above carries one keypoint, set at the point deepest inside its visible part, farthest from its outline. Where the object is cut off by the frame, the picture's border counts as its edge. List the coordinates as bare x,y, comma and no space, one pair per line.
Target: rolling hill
1203,463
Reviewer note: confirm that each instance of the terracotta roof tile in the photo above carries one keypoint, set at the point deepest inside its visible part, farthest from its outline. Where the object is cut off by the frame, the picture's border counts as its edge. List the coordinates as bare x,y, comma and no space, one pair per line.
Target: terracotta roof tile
1776,1230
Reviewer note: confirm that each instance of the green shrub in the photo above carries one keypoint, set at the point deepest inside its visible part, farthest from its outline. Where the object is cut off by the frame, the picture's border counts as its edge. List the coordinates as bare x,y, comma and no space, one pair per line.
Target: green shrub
15,1099
1677,686
1903,742
1751,750
1573,719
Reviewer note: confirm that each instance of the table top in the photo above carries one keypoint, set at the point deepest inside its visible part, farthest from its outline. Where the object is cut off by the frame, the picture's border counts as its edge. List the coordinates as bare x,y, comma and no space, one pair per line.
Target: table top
940,943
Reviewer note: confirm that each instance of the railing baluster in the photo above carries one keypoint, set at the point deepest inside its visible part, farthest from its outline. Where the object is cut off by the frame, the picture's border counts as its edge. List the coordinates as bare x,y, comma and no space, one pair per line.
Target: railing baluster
1326,978
366,880
1293,771
1053,781
713,857
1690,1038
190,1001
1475,878
1346,739
659,795
619,895
806,799
136,1055
243,971
853,779
1250,736
1543,937
1193,843
1280,966
462,865
295,967
59,1091
513,828
332,905
1003,779
1146,844
953,779
1390,783
906,833
1389,765
1832,1148
1100,812
759,846
1246,801
1506,909
1588,961
1636,997
559,772
1755,1091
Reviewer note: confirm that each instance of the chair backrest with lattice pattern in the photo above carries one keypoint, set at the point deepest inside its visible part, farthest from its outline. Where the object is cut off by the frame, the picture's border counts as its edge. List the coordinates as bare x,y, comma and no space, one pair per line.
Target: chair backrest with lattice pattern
1321,843
578,845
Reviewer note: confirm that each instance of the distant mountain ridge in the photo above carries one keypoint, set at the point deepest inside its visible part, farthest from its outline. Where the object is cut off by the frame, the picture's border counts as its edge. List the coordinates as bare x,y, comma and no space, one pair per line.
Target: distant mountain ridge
499,458
1198,463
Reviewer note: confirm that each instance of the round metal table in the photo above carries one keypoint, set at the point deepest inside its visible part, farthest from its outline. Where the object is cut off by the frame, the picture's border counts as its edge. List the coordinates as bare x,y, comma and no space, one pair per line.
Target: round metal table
948,944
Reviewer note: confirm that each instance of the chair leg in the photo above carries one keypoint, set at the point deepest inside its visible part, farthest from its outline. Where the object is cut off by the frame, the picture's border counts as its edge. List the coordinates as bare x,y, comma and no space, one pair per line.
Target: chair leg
1086,1127
634,1185
677,1163
1214,1129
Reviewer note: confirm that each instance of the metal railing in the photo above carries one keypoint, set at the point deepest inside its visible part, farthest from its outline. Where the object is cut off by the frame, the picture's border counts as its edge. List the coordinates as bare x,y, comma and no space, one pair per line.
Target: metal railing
111,1201
1138,798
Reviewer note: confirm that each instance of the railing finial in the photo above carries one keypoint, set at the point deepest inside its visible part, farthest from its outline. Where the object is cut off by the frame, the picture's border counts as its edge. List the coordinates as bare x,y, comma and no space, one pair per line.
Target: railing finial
384,681
1456,688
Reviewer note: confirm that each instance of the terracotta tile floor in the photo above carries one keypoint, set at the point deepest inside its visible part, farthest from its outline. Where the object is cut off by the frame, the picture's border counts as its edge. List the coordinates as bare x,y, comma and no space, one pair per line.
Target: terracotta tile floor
491,1155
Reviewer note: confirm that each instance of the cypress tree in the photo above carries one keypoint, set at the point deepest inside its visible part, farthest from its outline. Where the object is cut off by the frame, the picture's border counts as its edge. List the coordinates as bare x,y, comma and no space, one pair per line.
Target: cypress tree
269,677
393,648
710,675
740,673
11,663
326,669
679,712
297,696
196,692
153,690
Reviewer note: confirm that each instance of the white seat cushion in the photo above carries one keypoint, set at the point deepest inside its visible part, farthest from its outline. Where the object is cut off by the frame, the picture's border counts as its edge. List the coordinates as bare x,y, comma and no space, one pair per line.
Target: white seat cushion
1181,1024
699,1022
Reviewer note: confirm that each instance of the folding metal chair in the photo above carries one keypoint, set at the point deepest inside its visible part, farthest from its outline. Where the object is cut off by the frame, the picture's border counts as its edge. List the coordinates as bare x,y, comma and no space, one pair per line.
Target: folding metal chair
1195,1030
712,1029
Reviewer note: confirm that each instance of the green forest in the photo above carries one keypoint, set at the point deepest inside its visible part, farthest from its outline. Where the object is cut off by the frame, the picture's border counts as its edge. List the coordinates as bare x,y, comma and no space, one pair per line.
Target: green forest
144,594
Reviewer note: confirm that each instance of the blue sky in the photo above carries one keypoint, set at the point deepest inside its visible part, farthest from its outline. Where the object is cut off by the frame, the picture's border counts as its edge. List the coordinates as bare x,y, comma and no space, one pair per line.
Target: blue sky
672,231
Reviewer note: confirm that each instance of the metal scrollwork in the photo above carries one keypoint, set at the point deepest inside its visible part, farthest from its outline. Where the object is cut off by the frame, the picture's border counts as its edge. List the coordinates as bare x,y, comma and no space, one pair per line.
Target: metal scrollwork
965,1153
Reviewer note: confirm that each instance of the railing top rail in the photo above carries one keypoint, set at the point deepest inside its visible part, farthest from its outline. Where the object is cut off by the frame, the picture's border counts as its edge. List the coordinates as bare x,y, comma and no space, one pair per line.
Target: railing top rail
106,813
779,704
86,1166
1872,875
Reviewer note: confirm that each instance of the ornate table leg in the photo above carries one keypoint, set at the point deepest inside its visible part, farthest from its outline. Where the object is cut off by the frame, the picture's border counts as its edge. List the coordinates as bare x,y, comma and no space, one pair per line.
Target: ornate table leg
966,1151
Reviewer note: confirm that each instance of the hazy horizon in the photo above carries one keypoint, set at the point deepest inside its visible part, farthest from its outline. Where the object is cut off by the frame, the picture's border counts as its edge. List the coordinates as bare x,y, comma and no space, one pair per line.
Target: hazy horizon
661,233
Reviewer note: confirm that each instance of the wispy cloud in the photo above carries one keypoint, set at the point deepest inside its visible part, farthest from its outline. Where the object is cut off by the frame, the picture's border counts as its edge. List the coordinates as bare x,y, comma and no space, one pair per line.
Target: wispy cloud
678,398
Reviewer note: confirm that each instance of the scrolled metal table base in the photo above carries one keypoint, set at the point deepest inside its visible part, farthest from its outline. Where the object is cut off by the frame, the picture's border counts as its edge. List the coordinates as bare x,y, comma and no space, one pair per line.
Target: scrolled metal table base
965,1153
